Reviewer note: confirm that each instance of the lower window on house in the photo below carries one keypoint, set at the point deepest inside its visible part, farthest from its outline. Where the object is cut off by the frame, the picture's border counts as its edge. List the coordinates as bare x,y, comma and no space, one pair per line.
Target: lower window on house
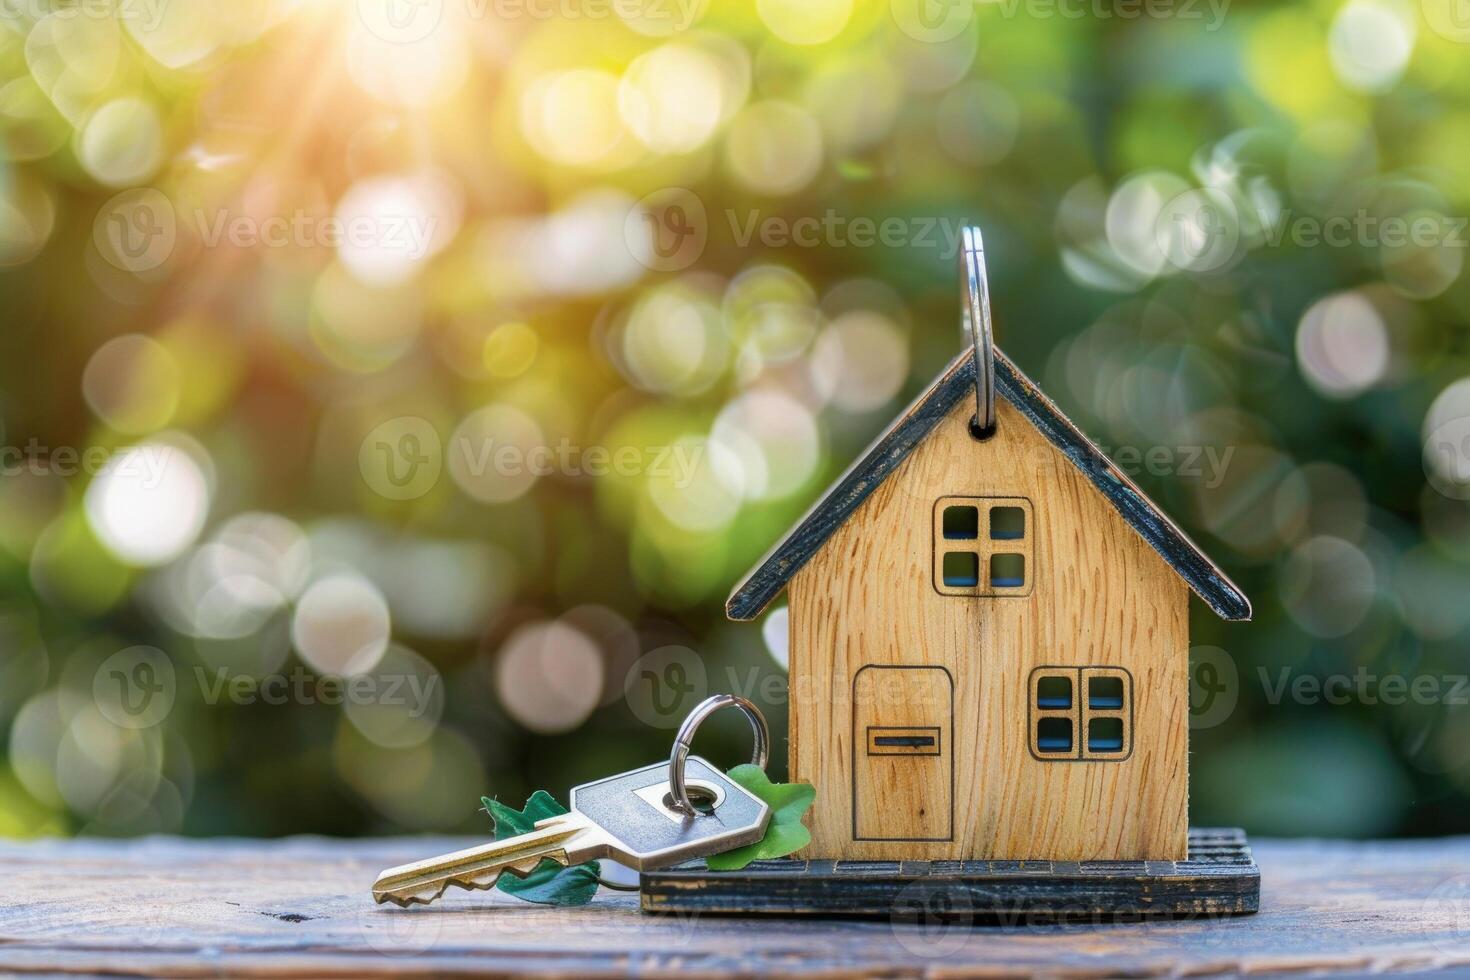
1080,713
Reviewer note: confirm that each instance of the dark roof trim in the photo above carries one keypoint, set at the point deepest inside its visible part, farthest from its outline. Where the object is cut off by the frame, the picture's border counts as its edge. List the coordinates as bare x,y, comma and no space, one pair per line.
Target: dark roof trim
839,503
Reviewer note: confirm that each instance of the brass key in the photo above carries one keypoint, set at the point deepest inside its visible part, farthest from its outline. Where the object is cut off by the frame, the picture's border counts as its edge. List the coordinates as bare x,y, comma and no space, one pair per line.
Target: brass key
628,818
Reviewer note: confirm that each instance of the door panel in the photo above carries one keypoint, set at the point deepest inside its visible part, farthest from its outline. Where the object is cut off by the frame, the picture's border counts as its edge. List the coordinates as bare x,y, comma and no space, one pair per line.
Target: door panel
903,754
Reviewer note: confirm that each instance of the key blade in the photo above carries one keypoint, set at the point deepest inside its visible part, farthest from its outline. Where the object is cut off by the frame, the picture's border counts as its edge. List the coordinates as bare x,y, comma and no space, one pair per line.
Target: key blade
566,839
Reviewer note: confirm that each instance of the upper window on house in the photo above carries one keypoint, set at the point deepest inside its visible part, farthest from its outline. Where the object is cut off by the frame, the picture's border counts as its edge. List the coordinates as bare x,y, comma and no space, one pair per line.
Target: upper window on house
983,546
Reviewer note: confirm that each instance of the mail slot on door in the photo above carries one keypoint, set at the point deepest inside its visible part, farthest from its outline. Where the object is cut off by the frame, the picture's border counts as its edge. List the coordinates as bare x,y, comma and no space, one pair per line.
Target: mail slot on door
887,740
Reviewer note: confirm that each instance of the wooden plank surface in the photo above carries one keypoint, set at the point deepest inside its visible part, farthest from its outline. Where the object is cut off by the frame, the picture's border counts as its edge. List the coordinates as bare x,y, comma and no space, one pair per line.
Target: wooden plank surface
300,907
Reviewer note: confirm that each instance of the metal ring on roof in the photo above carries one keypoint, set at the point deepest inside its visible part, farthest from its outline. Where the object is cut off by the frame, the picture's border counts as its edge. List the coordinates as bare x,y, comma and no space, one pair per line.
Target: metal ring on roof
978,333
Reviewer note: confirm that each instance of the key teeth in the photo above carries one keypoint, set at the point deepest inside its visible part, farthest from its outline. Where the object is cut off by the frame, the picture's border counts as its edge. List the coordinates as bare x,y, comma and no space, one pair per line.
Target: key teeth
521,869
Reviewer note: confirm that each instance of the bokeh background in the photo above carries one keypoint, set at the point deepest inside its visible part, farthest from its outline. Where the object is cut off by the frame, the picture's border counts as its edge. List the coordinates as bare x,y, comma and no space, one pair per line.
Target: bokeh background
278,279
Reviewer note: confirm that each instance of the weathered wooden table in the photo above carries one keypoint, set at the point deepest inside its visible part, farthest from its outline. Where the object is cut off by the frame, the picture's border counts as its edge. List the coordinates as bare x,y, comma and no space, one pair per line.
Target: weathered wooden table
300,907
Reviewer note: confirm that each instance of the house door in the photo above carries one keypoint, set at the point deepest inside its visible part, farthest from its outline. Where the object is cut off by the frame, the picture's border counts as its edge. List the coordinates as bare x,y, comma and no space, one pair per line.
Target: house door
903,754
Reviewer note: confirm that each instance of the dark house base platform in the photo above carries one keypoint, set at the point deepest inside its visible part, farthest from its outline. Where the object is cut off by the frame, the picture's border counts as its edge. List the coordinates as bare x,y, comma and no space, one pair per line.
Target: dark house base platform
1219,878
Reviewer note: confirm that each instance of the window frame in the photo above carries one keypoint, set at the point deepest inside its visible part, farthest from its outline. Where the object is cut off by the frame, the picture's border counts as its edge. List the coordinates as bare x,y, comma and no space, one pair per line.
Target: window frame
984,547
1079,711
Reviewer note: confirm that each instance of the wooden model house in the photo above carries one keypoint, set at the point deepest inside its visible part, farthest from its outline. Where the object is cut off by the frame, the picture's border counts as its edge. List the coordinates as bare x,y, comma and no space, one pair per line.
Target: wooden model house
989,642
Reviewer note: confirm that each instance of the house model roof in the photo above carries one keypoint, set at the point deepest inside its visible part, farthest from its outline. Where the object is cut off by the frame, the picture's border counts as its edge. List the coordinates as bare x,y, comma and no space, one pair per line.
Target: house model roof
844,497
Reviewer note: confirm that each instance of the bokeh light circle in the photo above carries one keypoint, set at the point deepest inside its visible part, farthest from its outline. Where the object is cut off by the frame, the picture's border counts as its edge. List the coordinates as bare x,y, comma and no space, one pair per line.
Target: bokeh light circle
498,453
773,148
1198,231
768,444
860,361
1342,345
132,383
805,22
392,225
341,626
572,117
398,703
688,490
549,677
1447,441
122,142
1370,43
672,341
148,503
672,98
1327,585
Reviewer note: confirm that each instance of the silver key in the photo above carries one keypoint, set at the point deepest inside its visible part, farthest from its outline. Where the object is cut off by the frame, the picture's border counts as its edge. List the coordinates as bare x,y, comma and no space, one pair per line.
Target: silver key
627,818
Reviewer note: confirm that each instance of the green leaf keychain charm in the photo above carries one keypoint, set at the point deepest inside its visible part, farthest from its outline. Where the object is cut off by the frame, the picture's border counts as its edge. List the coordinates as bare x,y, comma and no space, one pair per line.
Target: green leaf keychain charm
785,834
551,883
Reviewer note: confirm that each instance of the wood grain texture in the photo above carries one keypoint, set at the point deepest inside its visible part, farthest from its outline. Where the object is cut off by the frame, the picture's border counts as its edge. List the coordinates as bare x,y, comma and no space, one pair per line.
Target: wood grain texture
1100,597
908,431
1220,878
300,908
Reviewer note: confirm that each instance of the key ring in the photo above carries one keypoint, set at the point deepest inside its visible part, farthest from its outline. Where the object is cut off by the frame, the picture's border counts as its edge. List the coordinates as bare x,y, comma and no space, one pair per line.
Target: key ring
685,739
976,329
